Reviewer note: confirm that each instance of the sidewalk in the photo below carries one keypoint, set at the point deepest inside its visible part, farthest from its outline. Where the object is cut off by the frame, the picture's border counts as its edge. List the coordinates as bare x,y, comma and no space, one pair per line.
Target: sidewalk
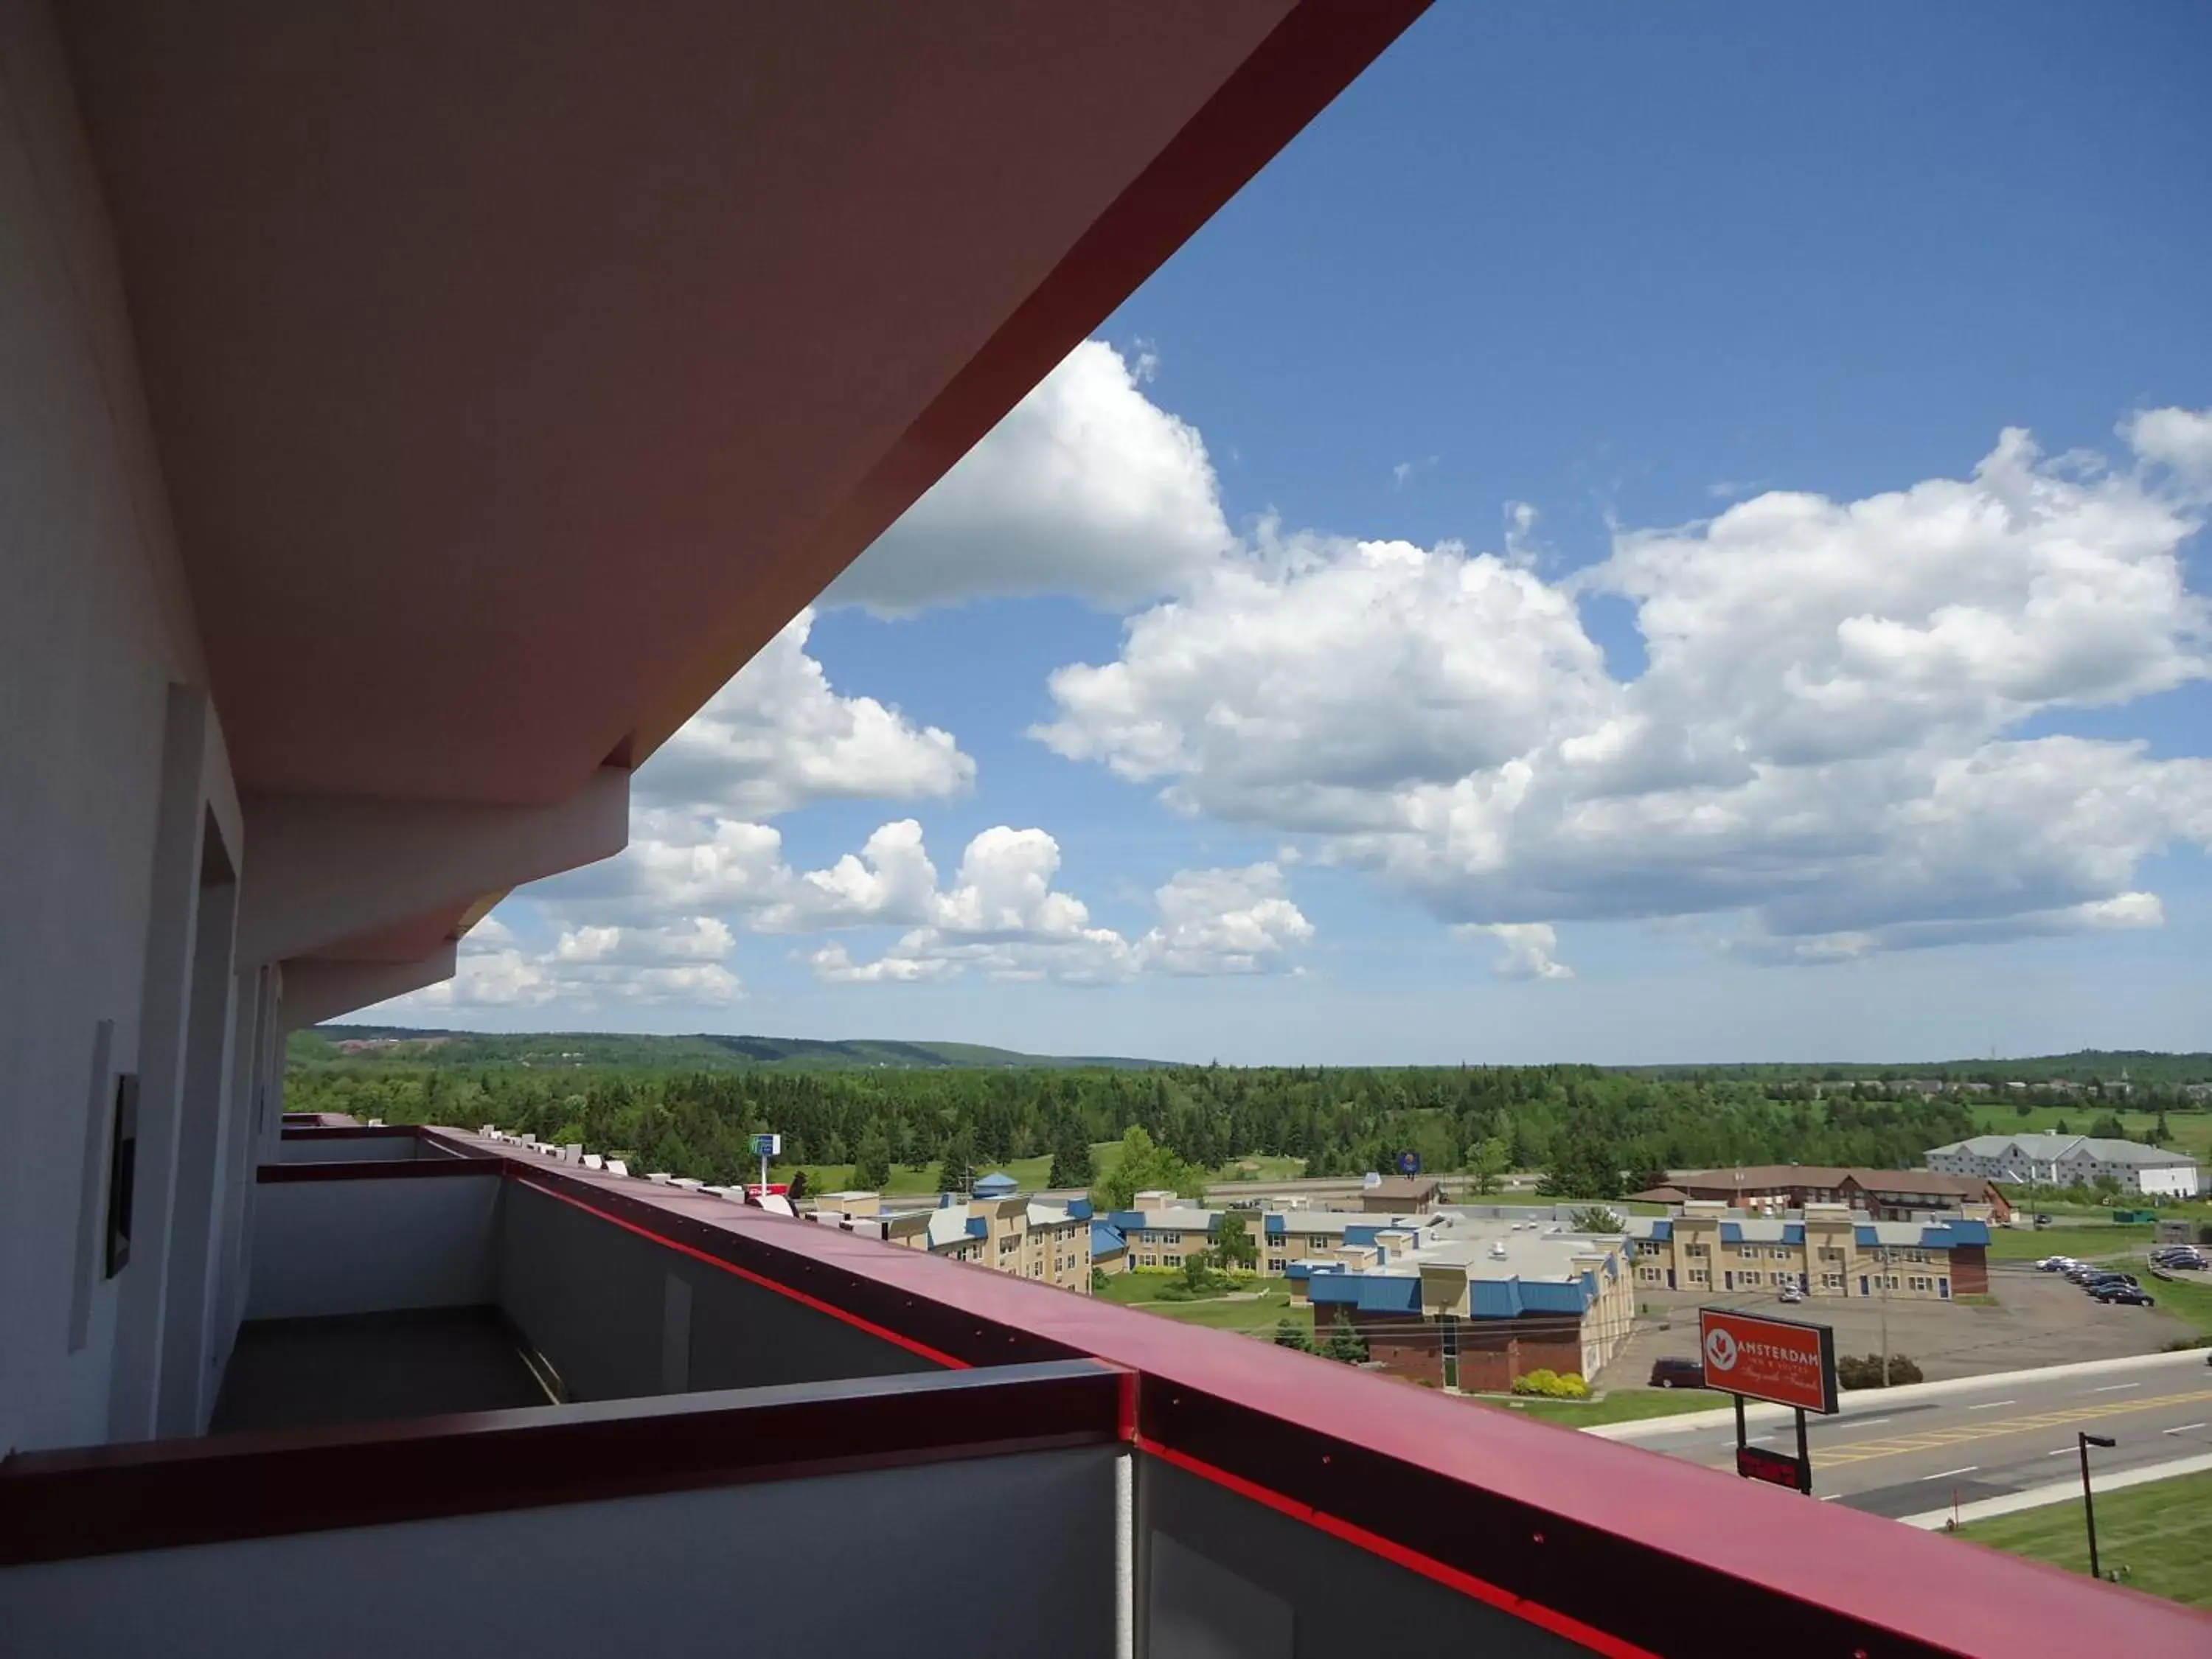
2034,1497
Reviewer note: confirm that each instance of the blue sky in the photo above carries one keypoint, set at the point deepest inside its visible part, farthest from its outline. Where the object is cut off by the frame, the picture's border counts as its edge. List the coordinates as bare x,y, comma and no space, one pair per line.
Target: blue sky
1914,767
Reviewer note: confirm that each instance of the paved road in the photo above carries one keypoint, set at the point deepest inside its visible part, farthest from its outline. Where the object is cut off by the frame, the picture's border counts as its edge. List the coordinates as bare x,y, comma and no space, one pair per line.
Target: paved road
2012,1433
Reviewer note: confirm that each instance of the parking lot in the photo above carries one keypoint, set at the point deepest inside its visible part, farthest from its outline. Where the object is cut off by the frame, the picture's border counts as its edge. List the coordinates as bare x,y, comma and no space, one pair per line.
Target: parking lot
2039,1320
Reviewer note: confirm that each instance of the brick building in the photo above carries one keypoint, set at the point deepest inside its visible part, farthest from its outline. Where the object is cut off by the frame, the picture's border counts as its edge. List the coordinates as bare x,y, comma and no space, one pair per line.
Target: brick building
1885,1194
1462,1302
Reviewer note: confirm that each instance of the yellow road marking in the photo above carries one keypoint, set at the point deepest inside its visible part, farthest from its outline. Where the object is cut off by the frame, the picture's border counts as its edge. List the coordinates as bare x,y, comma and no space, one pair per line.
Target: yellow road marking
1861,1451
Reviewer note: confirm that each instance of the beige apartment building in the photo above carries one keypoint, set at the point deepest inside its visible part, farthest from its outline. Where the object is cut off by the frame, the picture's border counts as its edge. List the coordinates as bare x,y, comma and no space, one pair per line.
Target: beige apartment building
1010,1232
1826,1249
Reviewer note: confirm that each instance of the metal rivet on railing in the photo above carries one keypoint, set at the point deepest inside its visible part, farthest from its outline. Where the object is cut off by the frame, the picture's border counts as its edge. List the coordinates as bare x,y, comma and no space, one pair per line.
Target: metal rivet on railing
1539,1539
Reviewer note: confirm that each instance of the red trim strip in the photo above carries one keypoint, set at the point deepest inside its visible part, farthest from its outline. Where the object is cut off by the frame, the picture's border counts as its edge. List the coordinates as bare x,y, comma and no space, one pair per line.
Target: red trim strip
814,1301
1505,1601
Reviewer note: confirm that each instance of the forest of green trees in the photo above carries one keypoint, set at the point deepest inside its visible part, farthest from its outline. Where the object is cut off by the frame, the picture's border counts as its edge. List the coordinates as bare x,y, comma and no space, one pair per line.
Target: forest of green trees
1590,1130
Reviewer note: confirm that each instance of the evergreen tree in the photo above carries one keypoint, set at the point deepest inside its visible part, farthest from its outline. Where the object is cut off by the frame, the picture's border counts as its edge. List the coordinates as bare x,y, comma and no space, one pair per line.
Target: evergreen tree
957,1168
1071,1156
873,1169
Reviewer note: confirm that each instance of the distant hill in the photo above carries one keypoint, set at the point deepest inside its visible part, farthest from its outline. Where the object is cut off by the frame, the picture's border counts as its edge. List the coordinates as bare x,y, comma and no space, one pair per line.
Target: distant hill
369,1044
2086,1065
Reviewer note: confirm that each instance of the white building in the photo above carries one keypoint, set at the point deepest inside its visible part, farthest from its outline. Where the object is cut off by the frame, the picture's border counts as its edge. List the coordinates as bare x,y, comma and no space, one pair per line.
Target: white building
2048,1160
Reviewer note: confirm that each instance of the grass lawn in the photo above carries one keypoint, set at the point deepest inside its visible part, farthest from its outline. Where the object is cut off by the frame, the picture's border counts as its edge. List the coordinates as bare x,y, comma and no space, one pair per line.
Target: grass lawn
2160,1533
1239,1311
1619,1406
2189,1299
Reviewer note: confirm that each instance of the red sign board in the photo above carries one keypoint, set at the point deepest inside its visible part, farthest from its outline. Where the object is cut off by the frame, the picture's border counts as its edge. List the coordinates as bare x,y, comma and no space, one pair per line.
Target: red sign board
1755,1463
1777,1359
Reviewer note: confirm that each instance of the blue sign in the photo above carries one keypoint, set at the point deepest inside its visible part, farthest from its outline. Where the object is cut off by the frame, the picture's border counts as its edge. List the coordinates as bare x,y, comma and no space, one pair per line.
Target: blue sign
1409,1164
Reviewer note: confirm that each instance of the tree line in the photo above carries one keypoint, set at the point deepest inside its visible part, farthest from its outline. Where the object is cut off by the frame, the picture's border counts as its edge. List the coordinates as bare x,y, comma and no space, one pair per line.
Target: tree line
1593,1132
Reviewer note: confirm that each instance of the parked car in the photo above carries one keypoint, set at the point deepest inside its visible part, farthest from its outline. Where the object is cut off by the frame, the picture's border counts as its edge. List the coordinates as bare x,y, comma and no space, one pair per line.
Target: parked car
2111,1281
1672,1373
2125,1296
1792,1293
2056,1264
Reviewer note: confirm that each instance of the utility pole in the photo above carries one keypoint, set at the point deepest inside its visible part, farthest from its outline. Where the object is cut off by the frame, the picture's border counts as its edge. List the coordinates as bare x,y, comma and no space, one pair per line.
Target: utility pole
1881,1282
2089,1502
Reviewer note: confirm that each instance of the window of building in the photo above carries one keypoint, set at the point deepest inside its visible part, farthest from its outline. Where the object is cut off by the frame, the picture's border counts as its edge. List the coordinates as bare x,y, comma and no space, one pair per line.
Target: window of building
1832,1281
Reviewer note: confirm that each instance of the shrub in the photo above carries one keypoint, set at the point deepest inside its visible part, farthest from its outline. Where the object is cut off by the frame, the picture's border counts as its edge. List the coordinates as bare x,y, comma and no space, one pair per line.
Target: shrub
1856,1371
1549,1384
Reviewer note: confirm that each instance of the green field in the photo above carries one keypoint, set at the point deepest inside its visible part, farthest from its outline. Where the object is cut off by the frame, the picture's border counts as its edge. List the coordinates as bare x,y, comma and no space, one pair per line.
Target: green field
2192,1131
920,1180
2158,1537
2091,1241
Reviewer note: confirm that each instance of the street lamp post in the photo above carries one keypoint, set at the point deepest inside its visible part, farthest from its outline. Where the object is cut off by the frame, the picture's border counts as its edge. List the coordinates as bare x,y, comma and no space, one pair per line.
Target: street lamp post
2089,1502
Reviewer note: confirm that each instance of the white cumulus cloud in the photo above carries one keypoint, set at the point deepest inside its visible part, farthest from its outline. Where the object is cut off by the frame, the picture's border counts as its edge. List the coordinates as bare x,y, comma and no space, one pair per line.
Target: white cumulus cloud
777,738
1530,951
1828,736
1087,487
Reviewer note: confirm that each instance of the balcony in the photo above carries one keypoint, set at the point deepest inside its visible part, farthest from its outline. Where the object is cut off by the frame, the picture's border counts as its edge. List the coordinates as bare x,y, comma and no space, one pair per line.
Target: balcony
488,1401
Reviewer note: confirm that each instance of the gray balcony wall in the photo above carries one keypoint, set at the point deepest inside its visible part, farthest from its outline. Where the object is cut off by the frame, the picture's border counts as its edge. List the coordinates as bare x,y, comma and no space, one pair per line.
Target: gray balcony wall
357,1149
1009,1555
620,1316
323,1248
1227,1578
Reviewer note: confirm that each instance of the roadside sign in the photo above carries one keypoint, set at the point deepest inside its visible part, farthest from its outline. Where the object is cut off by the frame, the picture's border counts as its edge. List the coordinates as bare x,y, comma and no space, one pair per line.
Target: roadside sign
1780,1360
1409,1164
768,1145
1756,1463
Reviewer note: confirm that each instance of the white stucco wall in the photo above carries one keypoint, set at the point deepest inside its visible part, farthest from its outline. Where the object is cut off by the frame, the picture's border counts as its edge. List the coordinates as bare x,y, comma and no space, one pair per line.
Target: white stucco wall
96,626
2177,1180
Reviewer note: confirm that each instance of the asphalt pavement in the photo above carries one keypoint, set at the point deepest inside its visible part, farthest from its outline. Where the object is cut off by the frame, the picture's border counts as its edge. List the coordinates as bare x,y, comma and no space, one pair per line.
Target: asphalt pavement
2004,1434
